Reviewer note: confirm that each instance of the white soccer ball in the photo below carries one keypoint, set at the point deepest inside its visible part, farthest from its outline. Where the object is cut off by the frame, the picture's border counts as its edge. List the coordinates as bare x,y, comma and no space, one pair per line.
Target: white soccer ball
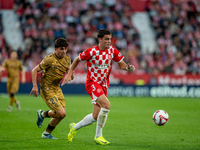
160,117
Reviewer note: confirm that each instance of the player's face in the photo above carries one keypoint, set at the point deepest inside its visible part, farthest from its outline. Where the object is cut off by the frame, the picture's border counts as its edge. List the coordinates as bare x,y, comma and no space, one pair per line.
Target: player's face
105,42
13,55
61,52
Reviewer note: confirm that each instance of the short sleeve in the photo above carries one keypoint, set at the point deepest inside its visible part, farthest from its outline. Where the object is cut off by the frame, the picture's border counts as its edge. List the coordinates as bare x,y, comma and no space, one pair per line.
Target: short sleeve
118,57
85,55
45,63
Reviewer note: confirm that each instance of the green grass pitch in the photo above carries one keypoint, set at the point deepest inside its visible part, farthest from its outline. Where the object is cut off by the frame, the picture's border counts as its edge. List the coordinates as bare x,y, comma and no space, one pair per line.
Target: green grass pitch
129,125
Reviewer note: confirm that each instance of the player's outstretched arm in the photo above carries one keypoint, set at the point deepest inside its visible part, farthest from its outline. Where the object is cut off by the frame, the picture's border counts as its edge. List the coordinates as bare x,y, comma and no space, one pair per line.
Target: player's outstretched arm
125,66
71,71
34,81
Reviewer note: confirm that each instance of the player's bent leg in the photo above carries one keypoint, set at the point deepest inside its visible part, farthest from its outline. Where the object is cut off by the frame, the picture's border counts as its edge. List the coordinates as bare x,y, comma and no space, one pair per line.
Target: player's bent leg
87,120
40,118
72,132
100,140
55,121
57,113
56,116
103,102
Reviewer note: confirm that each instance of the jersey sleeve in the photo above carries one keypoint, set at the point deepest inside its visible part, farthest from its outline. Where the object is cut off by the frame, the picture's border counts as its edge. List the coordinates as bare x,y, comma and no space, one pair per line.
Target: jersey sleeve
45,63
85,55
118,57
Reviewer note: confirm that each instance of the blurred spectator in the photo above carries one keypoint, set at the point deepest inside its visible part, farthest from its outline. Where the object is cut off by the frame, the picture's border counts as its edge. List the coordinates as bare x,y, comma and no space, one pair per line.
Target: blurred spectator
176,25
77,21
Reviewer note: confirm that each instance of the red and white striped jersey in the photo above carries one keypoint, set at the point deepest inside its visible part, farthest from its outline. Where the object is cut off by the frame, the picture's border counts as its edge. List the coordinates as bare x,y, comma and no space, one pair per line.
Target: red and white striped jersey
99,63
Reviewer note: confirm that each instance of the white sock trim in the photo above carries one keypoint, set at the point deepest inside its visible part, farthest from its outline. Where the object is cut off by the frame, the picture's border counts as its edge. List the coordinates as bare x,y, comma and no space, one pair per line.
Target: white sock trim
45,132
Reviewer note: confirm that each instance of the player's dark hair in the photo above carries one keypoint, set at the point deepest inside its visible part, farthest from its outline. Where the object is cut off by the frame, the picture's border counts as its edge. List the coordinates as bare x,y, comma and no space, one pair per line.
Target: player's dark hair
61,42
103,32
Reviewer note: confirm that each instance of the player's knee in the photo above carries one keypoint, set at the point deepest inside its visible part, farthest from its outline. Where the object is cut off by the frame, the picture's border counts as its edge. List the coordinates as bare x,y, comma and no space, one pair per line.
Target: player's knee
103,102
12,95
107,105
62,115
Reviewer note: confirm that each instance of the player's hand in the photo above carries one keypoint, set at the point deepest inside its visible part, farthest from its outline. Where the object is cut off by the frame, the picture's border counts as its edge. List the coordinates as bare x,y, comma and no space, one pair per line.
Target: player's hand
72,76
130,67
67,78
34,91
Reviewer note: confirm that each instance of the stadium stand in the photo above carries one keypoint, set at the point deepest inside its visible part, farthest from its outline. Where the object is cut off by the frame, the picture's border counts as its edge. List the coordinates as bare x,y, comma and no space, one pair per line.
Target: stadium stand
176,26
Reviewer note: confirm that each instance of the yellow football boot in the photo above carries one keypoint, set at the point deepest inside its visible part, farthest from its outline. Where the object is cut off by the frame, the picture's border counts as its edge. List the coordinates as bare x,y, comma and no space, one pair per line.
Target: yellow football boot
100,140
72,132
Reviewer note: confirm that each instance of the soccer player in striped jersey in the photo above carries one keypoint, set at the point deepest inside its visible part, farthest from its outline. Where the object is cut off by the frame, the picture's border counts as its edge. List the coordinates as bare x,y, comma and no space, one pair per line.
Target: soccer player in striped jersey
99,65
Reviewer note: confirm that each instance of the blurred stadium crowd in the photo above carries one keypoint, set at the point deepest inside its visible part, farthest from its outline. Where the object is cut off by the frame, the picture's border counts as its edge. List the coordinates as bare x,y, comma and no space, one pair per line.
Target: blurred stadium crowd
176,25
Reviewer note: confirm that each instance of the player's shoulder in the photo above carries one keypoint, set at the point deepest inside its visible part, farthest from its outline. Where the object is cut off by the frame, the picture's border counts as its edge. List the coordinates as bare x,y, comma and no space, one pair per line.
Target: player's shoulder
50,55
7,60
49,58
67,57
112,47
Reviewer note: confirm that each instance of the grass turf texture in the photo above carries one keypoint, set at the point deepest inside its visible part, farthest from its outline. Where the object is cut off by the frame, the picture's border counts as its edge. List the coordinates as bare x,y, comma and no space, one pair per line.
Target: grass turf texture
129,125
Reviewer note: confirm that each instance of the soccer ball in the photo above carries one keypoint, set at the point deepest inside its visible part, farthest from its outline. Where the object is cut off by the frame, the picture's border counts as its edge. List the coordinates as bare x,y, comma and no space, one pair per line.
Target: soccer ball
160,117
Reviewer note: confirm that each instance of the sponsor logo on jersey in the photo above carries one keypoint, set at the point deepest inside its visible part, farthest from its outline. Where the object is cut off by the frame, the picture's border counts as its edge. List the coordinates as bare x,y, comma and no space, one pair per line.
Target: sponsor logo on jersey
119,54
83,53
109,57
98,90
64,62
104,66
